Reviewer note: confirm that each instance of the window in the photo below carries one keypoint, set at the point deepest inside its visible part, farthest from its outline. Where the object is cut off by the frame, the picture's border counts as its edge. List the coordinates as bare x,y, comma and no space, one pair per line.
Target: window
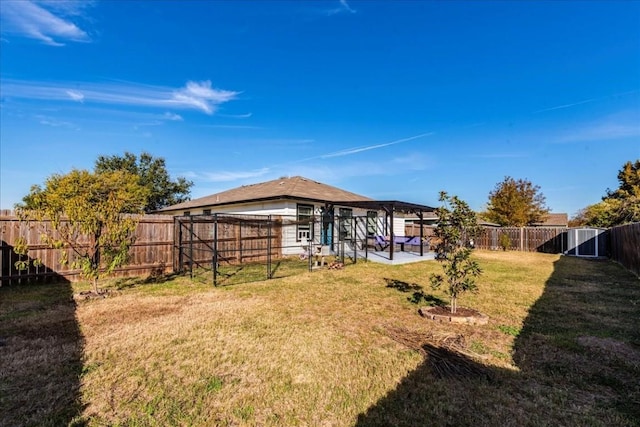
186,213
304,217
372,220
206,212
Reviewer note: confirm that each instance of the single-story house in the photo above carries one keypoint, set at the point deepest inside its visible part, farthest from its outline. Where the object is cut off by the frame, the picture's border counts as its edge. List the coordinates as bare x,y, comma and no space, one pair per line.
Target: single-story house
303,198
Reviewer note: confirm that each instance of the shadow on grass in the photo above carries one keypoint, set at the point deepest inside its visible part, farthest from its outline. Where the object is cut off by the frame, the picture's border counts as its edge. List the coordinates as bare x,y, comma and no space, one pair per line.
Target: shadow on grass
41,350
577,363
133,282
418,296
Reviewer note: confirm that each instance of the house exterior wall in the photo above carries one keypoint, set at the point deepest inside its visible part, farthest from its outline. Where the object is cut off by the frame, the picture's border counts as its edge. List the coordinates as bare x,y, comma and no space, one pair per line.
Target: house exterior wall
398,226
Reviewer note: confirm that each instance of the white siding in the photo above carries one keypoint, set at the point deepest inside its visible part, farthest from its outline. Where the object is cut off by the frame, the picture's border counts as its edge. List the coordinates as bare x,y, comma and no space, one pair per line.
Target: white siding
398,226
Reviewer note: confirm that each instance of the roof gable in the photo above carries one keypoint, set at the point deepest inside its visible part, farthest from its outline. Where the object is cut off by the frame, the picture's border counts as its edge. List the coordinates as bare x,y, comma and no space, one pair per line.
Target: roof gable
296,187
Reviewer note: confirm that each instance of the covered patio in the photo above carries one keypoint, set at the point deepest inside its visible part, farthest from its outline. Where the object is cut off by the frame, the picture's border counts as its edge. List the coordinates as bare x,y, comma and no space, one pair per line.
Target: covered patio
387,239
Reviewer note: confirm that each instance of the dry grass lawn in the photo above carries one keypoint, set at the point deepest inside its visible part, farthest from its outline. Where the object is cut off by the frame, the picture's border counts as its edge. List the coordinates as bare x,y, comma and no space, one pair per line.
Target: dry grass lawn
329,348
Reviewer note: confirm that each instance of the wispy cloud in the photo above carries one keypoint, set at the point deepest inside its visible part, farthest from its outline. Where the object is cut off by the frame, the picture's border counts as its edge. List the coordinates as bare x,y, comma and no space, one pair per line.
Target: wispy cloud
76,96
194,95
342,8
53,122
146,124
501,156
616,126
602,132
226,176
586,101
47,21
173,117
413,161
356,150
232,127
560,107
202,96
237,116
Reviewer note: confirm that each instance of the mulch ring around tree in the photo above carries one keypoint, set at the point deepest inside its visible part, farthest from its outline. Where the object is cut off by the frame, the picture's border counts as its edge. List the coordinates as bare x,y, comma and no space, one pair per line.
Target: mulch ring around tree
462,315
91,295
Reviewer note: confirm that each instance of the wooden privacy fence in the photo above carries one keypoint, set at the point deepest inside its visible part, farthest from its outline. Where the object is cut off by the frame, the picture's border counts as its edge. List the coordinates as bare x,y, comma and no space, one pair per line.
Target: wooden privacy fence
528,239
625,246
150,254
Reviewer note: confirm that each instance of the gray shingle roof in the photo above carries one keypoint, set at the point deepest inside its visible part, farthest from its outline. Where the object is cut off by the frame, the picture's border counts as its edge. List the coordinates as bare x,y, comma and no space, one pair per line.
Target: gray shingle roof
296,187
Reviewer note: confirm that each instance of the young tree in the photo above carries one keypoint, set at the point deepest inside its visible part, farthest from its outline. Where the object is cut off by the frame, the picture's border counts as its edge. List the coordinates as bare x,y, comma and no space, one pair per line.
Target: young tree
153,175
516,203
86,214
457,227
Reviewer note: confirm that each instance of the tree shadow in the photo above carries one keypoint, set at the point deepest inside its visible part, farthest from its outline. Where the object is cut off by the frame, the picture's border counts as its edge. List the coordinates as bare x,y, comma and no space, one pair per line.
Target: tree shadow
41,349
158,277
577,361
18,269
418,295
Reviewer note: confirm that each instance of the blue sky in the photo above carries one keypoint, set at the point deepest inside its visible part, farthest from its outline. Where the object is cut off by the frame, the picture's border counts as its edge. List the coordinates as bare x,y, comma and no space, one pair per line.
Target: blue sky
392,100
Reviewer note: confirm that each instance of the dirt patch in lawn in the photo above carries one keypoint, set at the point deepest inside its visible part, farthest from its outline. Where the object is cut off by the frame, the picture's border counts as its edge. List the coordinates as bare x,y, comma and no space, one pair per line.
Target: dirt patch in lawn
462,315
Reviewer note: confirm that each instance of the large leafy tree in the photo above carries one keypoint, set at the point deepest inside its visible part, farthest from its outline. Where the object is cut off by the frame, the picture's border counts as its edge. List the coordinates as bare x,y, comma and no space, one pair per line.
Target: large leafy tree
85,211
457,227
619,206
516,203
153,174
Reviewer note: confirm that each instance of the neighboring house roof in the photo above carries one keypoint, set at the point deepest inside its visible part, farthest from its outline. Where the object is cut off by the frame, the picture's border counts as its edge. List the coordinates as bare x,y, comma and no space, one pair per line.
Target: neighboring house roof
554,220
296,187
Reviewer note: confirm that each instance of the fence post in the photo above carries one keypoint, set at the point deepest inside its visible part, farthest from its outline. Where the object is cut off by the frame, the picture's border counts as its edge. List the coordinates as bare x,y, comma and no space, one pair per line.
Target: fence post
269,272
215,249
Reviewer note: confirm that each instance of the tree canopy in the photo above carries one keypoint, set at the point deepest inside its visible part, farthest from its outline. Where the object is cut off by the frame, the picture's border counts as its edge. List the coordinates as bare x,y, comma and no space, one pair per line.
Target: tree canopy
153,175
85,210
619,206
516,203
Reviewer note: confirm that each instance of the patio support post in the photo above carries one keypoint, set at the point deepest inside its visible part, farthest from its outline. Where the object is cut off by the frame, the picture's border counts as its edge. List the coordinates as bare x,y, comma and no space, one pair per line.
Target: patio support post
391,235
420,219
